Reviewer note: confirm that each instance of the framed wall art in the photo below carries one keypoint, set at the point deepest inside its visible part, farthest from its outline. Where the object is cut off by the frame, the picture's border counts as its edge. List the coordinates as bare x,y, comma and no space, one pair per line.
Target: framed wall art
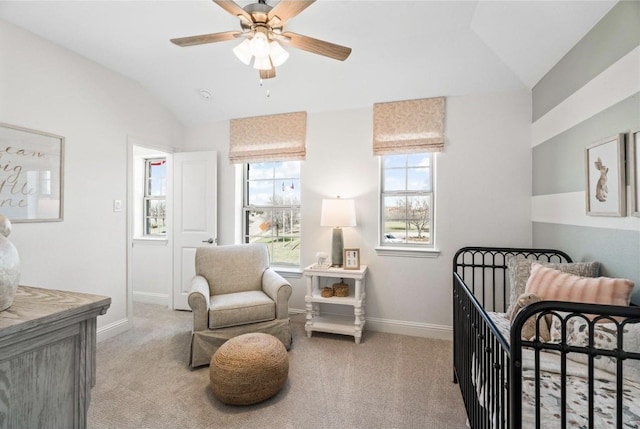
351,259
634,174
605,177
31,174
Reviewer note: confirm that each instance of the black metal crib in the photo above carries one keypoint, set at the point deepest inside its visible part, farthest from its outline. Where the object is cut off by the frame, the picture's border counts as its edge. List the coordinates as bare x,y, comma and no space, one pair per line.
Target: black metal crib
489,366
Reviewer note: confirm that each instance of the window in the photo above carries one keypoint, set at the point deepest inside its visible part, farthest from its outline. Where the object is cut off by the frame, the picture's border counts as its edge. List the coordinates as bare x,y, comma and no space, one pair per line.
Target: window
407,200
271,209
155,197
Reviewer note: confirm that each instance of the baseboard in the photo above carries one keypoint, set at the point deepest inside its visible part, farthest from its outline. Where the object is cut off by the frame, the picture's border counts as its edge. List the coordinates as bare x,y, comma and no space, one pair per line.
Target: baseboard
151,298
414,329
402,327
113,329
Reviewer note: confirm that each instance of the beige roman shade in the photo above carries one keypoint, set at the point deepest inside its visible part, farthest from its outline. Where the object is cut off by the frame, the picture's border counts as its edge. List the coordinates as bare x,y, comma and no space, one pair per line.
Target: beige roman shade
408,126
268,138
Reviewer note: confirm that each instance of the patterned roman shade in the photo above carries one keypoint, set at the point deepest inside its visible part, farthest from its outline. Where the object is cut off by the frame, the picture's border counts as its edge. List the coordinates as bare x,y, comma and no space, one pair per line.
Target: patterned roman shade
268,138
408,126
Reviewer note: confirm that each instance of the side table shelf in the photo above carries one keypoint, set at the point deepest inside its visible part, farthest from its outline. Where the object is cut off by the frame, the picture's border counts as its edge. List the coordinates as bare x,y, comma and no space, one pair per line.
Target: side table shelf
335,324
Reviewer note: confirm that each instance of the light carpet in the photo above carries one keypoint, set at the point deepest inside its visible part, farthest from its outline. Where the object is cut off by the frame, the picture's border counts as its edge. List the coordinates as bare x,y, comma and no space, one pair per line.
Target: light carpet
386,381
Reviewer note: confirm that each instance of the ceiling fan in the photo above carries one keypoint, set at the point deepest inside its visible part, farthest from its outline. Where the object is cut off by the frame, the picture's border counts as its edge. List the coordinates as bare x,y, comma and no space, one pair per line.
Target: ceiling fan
262,28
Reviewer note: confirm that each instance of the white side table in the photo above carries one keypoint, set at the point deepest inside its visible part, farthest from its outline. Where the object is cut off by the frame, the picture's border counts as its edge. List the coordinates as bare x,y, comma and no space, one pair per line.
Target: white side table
335,324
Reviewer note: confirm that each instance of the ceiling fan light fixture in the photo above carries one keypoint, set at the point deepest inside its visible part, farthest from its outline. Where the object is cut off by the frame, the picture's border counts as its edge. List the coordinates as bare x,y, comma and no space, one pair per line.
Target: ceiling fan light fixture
260,24
263,63
277,54
243,51
260,45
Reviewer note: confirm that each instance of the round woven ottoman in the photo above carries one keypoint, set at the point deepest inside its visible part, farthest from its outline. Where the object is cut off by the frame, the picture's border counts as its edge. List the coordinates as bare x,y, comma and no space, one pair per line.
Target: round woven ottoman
248,369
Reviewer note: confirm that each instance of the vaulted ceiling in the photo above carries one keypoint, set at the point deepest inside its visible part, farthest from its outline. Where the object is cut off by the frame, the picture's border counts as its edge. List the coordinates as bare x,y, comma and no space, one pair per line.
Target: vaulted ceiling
401,50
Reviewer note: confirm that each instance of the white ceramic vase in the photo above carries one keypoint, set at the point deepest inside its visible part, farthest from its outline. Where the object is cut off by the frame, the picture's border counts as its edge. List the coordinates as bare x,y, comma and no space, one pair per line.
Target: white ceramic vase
9,266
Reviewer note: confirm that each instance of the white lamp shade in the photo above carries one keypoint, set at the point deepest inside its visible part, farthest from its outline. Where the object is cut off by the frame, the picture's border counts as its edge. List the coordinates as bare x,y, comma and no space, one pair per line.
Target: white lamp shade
278,54
243,51
338,213
263,63
260,45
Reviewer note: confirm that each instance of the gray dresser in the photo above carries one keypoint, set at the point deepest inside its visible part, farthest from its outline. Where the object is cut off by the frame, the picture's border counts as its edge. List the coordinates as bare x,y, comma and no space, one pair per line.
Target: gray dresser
47,358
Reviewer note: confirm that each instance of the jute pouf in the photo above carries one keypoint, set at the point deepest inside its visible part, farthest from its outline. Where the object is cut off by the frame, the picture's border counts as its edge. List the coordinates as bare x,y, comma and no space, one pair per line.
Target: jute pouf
248,369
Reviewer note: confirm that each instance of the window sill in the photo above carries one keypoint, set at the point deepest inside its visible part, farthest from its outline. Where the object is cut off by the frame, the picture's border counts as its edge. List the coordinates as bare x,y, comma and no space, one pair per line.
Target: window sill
288,272
152,241
407,252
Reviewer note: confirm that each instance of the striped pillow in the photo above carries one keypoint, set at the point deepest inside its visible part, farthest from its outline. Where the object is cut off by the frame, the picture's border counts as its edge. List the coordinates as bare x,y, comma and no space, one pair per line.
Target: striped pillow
519,270
554,285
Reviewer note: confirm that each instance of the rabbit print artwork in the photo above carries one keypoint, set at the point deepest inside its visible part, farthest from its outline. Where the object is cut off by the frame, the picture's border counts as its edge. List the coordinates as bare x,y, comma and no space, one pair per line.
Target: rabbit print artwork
601,187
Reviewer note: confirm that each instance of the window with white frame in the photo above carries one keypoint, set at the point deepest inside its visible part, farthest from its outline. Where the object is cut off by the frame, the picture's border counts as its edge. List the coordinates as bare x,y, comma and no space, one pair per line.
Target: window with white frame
407,196
271,209
155,197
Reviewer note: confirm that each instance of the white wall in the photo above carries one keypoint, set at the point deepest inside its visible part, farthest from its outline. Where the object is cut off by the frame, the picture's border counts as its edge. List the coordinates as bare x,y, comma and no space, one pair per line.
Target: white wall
47,88
483,198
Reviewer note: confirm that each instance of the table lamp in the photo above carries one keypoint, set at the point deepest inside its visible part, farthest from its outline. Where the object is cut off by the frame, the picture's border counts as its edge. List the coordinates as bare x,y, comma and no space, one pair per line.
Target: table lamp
337,213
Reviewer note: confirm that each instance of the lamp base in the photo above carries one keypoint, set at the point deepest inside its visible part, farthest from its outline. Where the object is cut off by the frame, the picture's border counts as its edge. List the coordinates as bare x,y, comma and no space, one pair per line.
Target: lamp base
337,248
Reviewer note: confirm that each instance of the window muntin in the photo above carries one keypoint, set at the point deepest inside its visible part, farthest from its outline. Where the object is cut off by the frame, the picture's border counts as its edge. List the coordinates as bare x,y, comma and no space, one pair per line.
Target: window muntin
407,200
271,212
155,197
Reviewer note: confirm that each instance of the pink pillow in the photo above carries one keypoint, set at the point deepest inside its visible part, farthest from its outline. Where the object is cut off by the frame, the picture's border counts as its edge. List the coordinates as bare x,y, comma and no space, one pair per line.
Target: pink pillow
554,285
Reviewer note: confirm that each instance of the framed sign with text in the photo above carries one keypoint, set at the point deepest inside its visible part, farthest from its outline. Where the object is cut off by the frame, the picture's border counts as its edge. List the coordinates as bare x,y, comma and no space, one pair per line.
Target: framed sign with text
31,174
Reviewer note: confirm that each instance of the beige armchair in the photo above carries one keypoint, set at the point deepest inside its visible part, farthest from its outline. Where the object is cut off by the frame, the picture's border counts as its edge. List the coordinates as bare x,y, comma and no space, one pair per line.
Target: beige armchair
235,292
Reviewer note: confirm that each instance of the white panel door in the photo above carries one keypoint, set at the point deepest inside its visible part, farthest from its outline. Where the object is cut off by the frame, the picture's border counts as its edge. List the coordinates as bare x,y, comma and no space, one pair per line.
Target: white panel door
194,178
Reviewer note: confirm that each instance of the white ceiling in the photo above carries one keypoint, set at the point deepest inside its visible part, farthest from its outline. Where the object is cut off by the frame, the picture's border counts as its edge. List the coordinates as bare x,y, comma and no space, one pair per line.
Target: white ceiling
401,50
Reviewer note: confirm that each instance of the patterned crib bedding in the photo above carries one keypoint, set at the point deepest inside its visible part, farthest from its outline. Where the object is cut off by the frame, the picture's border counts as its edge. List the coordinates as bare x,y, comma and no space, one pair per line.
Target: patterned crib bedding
577,385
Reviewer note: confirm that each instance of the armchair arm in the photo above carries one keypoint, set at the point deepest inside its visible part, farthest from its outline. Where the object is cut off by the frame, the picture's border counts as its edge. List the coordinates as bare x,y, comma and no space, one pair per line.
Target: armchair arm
279,290
199,302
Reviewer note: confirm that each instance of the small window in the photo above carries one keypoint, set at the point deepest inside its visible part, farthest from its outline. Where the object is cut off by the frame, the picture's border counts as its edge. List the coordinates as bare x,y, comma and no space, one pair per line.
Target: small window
271,209
407,200
155,197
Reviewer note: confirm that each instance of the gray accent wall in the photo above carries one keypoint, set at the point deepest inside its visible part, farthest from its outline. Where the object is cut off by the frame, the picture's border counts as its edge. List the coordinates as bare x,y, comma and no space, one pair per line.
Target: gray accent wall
613,37
558,169
595,244
560,160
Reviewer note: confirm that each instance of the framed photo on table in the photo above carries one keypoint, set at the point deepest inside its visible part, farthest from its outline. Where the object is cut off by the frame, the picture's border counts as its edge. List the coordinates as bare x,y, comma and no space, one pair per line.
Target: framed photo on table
634,174
351,259
605,177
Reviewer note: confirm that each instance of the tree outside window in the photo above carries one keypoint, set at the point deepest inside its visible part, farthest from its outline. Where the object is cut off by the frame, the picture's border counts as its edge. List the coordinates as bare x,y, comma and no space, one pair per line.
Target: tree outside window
155,197
407,200
272,209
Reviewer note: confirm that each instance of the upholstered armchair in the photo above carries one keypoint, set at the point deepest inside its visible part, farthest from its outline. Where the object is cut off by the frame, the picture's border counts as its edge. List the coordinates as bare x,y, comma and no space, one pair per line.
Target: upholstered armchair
235,292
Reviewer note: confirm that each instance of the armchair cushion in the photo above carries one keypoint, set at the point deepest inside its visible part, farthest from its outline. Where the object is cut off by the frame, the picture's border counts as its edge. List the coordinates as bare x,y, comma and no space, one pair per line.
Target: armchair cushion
240,308
232,268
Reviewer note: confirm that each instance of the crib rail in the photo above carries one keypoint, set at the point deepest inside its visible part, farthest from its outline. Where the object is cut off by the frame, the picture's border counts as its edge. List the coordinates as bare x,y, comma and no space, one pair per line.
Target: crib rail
480,284
479,348
484,271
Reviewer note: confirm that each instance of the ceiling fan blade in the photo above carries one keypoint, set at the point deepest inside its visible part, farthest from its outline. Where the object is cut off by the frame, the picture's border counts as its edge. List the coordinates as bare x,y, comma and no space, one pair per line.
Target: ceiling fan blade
315,46
268,74
206,38
234,9
287,9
